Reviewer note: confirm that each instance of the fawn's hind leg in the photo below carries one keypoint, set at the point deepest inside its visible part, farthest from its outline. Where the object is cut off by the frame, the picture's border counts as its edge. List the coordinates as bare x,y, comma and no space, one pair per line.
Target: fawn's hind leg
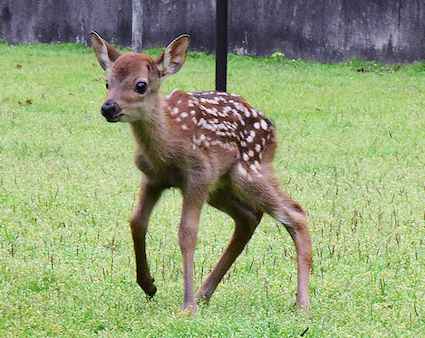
261,189
246,220
293,217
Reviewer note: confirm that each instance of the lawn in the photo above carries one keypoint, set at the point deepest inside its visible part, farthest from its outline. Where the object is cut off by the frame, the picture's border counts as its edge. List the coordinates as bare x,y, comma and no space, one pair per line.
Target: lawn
351,152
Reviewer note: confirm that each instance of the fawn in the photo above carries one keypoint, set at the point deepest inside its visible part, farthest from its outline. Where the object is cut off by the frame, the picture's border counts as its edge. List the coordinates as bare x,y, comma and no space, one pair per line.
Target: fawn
213,146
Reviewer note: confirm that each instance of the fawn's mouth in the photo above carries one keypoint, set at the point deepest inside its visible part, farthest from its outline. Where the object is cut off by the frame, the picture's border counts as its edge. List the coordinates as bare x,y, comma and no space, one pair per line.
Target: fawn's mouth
113,119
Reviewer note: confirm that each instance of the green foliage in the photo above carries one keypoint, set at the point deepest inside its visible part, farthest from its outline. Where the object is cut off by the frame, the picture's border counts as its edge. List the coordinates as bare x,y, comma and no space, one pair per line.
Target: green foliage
351,152
278,55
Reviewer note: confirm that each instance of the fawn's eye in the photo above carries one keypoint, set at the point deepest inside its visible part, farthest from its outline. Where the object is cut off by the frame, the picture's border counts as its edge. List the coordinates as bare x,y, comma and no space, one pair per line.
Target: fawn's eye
106,84
141,87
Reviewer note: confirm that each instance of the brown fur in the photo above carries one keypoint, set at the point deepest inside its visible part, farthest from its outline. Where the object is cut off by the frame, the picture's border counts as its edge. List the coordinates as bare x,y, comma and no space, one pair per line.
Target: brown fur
214,147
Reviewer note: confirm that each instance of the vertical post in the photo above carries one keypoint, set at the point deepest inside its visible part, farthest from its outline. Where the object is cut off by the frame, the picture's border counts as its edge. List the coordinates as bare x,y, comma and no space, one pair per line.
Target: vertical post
137,26
221,46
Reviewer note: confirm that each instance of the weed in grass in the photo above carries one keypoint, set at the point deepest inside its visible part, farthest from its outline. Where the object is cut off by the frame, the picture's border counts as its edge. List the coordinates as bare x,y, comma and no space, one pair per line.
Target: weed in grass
351,152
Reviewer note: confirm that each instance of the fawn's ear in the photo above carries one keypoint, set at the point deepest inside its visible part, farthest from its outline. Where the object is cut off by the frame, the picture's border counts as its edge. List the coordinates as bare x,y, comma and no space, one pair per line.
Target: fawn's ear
172,59
105,53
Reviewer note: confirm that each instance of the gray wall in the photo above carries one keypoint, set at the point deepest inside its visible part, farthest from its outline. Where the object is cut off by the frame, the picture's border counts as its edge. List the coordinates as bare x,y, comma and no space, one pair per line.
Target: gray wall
323,30
163,20
331,30
31,21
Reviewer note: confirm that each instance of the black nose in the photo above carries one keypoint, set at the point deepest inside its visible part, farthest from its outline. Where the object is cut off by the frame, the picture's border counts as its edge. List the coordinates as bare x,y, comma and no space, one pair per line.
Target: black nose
111,110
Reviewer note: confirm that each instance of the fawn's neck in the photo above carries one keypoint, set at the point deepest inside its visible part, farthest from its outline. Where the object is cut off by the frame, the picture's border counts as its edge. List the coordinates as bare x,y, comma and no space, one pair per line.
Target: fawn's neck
150,133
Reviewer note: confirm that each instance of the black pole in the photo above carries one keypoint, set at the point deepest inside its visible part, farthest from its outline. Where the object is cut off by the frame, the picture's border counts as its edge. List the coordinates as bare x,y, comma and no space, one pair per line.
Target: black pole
221,46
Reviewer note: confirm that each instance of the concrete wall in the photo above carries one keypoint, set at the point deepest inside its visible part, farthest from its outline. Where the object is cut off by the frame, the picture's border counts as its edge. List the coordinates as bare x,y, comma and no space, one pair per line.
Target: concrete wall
32,21
331,30
323,30
163,20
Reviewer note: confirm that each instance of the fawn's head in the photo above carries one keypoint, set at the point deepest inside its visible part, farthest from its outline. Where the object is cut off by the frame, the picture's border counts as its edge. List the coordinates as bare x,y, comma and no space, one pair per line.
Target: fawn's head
134,79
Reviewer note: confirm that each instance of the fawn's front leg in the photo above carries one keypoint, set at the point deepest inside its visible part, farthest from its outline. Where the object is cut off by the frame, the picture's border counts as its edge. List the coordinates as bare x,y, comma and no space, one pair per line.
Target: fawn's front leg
148,197
188,234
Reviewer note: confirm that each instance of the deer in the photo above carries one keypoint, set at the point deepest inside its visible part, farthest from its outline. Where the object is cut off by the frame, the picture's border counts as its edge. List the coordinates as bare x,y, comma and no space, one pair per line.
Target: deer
213,146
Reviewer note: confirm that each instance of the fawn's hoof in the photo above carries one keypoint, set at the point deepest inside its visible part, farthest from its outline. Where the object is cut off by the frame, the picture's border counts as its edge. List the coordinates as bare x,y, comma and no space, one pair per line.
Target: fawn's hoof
202,297
148,287
150,292
190,309
303,304
150,295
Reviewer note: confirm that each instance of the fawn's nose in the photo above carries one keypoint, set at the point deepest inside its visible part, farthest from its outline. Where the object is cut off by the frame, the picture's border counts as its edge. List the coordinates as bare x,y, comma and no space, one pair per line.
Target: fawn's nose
111,111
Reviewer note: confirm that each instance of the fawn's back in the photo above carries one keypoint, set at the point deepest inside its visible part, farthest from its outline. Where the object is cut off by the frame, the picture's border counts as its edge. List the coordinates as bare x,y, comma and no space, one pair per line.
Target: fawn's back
225,128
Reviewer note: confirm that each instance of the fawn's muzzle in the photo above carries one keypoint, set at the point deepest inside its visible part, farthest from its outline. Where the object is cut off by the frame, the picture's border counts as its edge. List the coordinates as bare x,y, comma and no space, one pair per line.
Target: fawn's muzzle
111,111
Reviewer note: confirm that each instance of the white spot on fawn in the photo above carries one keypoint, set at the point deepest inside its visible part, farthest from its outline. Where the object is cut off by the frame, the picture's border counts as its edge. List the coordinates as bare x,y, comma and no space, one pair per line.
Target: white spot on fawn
242,170
201,122
249,139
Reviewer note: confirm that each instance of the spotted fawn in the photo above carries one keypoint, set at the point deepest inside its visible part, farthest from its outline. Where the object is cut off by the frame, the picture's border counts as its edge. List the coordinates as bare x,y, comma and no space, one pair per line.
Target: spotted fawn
214,146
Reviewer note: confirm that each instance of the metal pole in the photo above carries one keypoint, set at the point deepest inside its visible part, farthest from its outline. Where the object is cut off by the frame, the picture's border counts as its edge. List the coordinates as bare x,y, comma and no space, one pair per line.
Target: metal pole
221,46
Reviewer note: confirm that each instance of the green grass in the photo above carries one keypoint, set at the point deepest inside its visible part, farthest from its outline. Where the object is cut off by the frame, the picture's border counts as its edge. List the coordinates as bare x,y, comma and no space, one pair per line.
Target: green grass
351,152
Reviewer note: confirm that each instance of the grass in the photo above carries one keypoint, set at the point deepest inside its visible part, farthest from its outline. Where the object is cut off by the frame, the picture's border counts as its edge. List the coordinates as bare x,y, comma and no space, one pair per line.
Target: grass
351,152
